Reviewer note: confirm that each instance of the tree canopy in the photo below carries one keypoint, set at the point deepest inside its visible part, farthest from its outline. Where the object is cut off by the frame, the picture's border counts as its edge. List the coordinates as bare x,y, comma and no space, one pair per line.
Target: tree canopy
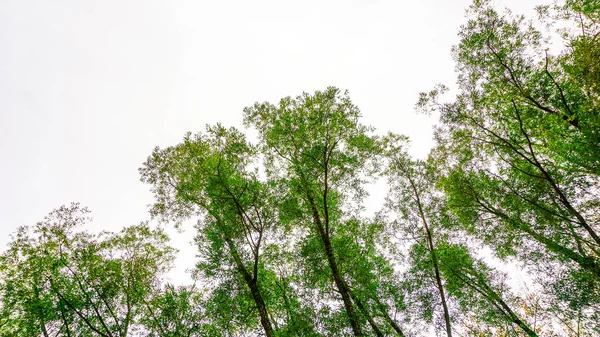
285,247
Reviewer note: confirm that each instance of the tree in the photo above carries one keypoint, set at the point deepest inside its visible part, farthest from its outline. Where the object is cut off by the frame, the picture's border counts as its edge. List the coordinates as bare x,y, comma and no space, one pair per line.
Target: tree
437,258
317,147
412,197
520,141
214,176
58,281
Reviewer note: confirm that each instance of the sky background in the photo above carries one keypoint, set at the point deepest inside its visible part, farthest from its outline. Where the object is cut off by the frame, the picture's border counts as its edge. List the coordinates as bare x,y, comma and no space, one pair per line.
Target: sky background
89,88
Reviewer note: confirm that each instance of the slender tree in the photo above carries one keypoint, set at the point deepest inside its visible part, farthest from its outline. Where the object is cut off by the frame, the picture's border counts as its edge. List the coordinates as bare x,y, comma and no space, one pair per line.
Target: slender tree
213,176
316,144
519,143
412,197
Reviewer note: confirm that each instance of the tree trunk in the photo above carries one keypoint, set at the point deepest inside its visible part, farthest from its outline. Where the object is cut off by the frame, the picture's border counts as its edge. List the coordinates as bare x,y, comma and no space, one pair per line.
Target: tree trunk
340,283
364,311
491,296
388,319
254,290
436,266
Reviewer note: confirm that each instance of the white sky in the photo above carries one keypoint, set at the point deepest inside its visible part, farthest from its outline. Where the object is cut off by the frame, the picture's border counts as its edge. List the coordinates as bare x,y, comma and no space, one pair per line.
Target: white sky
89,88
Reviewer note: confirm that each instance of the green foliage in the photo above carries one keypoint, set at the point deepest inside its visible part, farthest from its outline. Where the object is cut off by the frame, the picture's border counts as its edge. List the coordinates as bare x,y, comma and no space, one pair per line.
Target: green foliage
283,245
519,145
58,280
177,312
316,144
214,176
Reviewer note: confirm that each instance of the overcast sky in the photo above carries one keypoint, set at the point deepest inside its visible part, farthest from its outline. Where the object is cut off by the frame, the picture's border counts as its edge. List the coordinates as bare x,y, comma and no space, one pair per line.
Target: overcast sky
88,88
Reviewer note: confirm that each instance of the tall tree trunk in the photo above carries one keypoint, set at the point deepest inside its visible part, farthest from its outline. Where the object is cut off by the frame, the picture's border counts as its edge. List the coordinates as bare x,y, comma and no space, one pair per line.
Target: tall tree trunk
254,290
365,312
340,283
585,262
393,324
438,280
40,312
436,267
388,319
496,300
